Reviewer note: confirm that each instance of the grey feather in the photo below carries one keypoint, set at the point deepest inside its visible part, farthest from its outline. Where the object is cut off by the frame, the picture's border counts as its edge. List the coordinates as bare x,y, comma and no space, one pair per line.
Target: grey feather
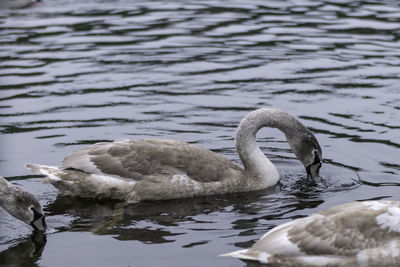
21,204
136,159
150,169
355,234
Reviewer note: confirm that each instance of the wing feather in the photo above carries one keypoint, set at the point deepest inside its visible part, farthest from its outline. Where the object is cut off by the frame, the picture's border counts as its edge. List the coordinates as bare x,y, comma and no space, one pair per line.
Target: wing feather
342,230
137,159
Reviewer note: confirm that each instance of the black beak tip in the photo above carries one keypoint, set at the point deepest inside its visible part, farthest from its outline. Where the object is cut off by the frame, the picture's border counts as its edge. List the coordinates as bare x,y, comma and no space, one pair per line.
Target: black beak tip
313,169
39,224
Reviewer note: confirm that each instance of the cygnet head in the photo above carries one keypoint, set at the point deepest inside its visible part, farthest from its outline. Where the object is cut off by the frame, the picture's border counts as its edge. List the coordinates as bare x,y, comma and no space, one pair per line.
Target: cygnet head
307,149
22,205
29,210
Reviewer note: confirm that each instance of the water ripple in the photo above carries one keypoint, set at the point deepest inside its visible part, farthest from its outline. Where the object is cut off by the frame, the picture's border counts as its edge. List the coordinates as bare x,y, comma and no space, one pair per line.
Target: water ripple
104,70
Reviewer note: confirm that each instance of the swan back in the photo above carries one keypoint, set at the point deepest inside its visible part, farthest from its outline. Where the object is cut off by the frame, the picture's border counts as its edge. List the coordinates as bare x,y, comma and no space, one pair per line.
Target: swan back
147,169
136,159
354,234
21,204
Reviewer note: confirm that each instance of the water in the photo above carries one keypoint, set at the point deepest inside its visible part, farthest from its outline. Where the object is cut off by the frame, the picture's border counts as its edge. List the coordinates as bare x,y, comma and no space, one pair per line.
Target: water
73,73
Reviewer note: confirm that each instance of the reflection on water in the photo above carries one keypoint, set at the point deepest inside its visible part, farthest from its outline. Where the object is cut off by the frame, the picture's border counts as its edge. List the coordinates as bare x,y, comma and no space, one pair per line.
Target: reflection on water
26,252
131,221
73,73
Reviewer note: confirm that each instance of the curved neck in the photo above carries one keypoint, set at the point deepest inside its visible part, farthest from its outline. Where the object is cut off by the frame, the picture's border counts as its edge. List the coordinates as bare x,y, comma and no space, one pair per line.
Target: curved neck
256,164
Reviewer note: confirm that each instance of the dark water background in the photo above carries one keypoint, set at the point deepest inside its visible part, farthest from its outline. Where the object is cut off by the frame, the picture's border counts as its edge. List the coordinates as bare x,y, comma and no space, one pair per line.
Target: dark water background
73,73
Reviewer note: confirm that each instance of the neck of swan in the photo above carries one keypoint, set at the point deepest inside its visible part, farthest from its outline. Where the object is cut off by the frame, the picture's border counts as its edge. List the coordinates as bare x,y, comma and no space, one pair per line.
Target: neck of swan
256,165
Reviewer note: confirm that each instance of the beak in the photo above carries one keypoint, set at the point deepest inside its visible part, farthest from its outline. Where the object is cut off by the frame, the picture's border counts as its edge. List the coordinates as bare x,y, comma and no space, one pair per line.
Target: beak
39,222
313,170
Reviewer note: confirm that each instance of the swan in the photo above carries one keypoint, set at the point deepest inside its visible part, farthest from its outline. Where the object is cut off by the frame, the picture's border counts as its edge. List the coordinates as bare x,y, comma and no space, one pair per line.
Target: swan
363,233
153,169
21,204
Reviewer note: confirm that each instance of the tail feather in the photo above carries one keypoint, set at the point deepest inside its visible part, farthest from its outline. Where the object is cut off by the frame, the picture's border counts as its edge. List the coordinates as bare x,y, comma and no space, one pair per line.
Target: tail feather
68,183
49,171
241,254
248,254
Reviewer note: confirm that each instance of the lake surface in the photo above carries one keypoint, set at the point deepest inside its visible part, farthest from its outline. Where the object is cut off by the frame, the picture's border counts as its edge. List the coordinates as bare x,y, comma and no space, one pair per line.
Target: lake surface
73,73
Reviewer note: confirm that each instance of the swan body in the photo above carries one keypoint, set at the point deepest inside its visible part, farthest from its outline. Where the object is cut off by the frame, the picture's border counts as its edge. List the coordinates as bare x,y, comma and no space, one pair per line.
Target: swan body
153,169
22,205
354,234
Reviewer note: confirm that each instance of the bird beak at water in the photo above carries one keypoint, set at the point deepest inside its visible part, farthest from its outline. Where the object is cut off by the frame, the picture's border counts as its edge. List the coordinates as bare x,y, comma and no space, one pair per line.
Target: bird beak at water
38,223
313,168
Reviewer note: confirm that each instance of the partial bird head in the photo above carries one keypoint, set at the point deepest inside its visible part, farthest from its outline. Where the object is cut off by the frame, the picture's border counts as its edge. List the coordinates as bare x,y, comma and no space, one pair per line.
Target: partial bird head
28,209
22,205
307,149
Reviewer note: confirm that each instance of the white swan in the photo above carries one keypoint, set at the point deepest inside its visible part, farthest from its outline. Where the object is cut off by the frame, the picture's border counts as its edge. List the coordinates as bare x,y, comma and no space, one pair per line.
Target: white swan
136,170
355,234
21,204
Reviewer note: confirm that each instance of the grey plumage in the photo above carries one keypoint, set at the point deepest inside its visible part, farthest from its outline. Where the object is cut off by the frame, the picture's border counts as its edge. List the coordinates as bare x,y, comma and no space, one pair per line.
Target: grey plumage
355,234
136,159
21,204
150,169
